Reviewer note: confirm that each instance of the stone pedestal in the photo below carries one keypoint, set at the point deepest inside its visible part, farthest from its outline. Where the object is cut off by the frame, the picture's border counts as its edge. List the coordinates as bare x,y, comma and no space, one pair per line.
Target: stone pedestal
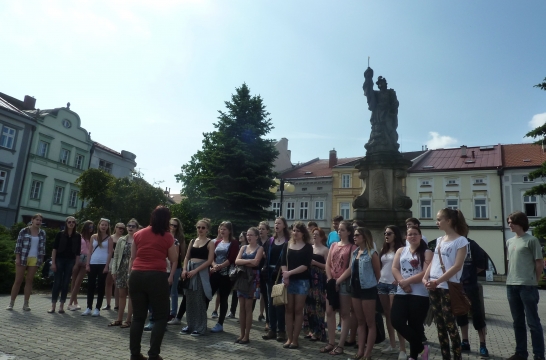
383,201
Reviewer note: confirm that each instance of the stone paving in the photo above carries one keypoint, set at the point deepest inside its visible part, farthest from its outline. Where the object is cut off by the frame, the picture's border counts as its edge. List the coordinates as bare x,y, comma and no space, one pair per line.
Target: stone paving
39,335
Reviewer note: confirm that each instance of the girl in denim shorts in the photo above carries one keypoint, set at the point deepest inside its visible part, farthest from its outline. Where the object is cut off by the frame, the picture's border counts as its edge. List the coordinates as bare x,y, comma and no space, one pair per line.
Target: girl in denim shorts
386,288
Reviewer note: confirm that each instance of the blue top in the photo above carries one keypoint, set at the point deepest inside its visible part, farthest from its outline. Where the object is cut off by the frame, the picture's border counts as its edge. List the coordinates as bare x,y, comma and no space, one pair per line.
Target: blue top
365,273
332,238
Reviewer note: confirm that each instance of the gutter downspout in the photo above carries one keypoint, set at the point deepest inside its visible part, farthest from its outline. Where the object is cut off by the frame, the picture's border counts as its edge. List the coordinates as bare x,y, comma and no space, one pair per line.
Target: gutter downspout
500,172
32,130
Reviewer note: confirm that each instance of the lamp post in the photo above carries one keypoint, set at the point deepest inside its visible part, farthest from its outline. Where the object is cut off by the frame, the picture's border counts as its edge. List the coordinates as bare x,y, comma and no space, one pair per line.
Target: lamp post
283,186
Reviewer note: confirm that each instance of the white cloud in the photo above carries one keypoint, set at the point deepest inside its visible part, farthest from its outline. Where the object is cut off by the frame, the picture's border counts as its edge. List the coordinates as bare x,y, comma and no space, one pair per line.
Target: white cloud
438,141
537,120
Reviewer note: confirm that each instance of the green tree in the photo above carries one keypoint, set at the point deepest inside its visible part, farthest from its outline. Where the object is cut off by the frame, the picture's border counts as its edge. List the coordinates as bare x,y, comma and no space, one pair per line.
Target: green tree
230,177
540,190
117,199
188,215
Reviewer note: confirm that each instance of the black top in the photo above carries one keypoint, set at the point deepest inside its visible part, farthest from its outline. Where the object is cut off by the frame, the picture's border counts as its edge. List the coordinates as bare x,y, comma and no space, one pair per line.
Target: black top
319,258
475,258
179,262
297,258
275,253
355,276
67,246
199,252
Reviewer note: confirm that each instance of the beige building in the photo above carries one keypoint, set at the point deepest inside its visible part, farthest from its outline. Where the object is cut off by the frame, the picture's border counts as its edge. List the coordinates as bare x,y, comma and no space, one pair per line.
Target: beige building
465,178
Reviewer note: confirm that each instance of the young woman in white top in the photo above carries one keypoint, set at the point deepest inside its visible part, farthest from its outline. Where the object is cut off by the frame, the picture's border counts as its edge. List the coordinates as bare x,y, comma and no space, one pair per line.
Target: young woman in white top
119,231
386,288
452,248
410,305
98,262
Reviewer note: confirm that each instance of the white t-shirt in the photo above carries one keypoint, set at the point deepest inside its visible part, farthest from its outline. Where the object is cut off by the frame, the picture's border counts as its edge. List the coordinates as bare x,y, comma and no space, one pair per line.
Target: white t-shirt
33,251
449,253
386,268
411,265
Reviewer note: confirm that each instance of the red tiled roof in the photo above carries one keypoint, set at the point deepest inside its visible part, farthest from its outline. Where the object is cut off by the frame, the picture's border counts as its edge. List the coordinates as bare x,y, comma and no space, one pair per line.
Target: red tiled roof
522,155
485,157
315,168
106,148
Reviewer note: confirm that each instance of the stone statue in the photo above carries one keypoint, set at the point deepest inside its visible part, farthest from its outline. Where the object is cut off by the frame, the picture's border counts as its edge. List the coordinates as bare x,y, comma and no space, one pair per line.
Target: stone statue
384,107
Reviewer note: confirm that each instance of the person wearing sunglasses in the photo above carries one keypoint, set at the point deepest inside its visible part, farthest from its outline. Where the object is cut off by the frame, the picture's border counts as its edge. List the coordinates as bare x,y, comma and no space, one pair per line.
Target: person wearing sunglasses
198,259
120,273
66,248
119,230
177,231
78,272
387,286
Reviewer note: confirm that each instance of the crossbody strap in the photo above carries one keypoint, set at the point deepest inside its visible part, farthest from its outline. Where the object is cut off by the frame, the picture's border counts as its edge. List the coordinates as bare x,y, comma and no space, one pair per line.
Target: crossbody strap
440,257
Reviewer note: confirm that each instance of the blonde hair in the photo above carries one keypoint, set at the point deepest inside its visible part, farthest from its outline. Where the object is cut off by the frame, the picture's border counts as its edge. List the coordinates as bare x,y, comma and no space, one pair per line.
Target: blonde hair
367,235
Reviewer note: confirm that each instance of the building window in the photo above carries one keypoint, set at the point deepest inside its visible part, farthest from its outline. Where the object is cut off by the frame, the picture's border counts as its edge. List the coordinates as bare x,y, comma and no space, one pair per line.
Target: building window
36,189
290,211
65,156
530,206
452,182
58,195
43,147
479,181
73,202
276,208
105,166
425,182
7,138
66,124
345,210
526,179
78,163
3,180
426,209
319,210
319,187
346,181
480,208
452,204
304,208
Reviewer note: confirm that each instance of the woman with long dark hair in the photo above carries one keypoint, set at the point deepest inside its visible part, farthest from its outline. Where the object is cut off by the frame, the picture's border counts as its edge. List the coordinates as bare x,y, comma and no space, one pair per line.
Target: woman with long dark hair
410,305
452,249
264,238
225,253
234,299
386,288
29,256
149,281
78,272
177,231
120,273
66,249
274,253
98,263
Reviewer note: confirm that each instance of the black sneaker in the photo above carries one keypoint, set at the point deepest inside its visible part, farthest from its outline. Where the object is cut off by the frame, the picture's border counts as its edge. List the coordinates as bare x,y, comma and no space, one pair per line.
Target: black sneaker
484,352
465,346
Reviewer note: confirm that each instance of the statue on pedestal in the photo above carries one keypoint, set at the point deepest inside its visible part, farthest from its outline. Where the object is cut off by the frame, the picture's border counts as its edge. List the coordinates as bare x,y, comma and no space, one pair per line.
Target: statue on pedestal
384,107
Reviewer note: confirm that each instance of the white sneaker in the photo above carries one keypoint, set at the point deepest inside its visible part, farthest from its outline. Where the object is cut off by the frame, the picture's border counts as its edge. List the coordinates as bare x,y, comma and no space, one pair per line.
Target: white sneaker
389,350
96,312
10,306
174,321
402,356
87,312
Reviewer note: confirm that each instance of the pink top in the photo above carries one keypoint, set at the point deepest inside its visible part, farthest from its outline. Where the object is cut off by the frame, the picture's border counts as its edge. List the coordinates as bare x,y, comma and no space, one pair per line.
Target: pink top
340,258
85,247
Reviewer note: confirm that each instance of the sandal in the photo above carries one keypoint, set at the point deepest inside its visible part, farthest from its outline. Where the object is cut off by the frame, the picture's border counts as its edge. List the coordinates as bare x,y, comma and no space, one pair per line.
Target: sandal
125,324
115,323
327,348
337,351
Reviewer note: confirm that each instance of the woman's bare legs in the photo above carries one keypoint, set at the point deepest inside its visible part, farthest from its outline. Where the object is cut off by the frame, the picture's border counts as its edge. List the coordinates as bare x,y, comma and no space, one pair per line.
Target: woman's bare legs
401,339
331,323
108,289
345,312
299,303
19,276
386,304
78,273
248,309
368,309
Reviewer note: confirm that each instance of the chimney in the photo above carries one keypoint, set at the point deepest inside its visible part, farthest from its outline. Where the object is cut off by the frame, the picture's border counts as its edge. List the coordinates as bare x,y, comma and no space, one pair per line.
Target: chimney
333,158
29,103
473,155
463,151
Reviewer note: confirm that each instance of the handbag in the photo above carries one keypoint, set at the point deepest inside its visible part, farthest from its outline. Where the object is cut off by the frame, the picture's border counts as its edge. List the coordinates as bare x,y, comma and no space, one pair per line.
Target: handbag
460,304
279,293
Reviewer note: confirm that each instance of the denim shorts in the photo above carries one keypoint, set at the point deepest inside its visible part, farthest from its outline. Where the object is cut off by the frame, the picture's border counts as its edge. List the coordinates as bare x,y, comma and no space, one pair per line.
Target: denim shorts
386,289
344,288
298,287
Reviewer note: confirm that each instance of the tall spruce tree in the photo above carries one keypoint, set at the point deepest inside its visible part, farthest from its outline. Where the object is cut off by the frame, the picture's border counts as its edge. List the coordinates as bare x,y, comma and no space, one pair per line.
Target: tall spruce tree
230,177
539,190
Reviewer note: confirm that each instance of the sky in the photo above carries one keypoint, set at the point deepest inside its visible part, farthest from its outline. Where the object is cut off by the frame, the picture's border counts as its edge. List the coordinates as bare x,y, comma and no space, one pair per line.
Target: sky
149,76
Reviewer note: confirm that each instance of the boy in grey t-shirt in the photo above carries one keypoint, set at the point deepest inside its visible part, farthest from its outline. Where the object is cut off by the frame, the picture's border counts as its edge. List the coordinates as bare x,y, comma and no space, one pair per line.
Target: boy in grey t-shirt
524,268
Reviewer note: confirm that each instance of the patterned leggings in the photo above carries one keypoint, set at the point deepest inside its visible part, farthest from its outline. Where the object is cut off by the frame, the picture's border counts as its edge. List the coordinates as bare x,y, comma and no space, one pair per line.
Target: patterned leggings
445,323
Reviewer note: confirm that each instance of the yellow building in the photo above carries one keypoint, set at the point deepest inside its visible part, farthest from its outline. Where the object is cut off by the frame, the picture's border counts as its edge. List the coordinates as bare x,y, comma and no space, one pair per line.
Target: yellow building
466,179
346,185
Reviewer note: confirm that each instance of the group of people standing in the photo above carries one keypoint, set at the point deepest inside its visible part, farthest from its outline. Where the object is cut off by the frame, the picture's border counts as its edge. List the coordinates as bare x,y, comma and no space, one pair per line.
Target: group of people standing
322,275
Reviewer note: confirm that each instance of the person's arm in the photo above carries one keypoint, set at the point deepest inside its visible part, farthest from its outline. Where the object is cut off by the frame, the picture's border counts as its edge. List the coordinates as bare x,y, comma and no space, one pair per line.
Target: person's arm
539,265
239,261
133,255
88,265
204,264
172,254
376,264
186,259
109,258
345,274
327,268
117,255
19,246
396,267
418,277
54,252
479,257
78,248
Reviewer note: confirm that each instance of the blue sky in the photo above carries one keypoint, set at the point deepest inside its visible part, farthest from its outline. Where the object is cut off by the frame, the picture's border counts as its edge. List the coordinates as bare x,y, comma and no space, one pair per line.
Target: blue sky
149,76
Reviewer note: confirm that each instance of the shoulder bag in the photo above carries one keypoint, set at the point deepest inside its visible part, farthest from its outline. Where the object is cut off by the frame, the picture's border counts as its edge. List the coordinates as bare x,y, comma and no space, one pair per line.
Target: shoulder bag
279,292
460,304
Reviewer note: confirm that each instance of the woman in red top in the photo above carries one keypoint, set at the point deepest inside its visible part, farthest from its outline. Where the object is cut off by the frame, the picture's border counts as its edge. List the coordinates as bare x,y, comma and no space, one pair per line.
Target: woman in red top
149,281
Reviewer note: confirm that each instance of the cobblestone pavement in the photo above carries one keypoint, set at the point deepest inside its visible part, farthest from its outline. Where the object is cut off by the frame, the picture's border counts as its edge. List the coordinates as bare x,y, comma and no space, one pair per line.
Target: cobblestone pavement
39,335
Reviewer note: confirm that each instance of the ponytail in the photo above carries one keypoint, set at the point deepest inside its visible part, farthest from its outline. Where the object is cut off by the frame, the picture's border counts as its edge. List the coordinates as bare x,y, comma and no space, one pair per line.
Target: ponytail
458,222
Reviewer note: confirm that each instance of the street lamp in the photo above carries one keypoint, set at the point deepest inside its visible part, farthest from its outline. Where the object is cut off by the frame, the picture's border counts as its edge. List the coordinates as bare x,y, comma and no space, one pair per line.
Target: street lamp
282,186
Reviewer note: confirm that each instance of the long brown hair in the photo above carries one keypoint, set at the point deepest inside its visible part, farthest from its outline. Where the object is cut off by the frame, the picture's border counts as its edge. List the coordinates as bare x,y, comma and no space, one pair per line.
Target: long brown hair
102,237
179,235
85,230
285,230
397,243
303,229
458,222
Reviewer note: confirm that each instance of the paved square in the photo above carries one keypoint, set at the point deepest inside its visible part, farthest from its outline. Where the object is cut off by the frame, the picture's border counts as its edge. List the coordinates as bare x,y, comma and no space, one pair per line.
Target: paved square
39,335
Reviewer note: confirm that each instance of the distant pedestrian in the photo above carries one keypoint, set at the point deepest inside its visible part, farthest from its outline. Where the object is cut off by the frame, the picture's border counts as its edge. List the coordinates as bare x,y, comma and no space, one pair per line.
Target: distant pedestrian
333,236
29,256
525,264
66,249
